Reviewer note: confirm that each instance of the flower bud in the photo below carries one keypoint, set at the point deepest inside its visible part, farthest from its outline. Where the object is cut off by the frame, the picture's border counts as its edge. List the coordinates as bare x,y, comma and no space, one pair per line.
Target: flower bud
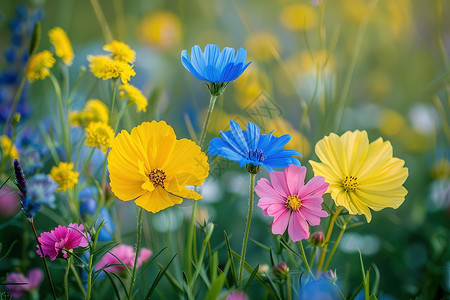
281,270
16,120
264,268
331,275
317,239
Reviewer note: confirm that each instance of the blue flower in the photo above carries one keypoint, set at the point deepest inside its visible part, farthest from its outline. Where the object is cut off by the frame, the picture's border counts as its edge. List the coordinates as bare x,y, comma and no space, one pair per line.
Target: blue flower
42,188
252,148
215,66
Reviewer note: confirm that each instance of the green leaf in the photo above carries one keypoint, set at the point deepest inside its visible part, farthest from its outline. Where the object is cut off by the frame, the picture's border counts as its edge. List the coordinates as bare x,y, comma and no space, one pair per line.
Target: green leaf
250,279
377,280
216,288
4,182
116,290
121,282
158,278
230,258
35,39
172,280
148,262
213,266
260,245
9,250
102,249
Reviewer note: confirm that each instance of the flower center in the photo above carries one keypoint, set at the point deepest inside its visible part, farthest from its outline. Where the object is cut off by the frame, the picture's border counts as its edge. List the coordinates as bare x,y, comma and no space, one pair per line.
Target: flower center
350,184
256,155
157,177
293,202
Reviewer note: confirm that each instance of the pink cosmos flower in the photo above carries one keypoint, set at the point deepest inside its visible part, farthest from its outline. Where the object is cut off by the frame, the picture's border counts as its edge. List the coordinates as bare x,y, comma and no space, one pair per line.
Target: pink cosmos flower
236,295
33,281
292,202
126,254
62,238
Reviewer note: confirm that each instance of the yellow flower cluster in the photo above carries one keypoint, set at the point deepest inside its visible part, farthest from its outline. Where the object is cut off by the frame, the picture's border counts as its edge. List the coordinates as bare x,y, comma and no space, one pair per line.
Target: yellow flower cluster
99,135
38,65
120,52
134,96
8,148
64,176
63,47
94,111
105,67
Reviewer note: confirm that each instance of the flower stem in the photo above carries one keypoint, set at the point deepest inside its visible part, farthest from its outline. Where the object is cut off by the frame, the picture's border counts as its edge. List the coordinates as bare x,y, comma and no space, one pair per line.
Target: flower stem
305,261
14,105
78,279
113,100
43,258
212,102
313,256
247,228
336,244
66,277
102,20
289,288
138,248
327,239
89,280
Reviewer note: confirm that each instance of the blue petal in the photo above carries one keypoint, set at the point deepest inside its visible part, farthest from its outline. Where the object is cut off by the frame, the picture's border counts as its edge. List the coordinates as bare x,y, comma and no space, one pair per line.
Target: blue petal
218,146
225,74
252,135
241,56
237,132
240,71
276,144
187,64
198,60
233,143
211,54
212,74
225,57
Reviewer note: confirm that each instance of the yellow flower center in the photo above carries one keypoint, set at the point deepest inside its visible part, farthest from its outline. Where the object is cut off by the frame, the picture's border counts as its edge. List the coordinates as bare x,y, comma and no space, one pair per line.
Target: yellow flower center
293,202
350,184
157,177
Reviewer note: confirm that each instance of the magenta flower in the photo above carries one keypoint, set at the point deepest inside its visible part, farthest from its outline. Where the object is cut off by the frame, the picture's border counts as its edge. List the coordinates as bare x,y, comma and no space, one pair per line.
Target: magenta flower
61,239
292,202
236,295
33,281
126,254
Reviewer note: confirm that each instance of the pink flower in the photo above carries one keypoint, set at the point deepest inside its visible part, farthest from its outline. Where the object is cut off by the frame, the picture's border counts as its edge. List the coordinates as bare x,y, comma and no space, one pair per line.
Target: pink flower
62,238
33,281
126,254
291,202
236,295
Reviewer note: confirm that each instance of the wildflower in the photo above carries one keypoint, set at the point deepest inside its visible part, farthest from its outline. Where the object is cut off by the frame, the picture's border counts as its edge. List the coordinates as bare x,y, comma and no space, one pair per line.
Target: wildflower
104,67
29,206
99,135
94,111
62,239
236,295
64,176
134,96
63,47
161,29
252,148
38,66
152,165
331,275
8,148
9,202
298,17
317,239
112,260
263,46
120,52
361,175
42,188
32,282
281,270
292,202
215,66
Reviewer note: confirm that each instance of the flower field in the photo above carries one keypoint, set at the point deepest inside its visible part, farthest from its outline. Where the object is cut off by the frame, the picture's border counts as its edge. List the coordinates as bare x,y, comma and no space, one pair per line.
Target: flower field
286,149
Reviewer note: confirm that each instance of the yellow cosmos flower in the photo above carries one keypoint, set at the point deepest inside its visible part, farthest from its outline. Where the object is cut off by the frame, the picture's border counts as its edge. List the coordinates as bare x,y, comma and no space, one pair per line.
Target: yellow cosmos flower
99,135
152,166
94,111
161,29
134,96
298,17
38,65
61,42
8,148
120,52
104,67
64,176
361,175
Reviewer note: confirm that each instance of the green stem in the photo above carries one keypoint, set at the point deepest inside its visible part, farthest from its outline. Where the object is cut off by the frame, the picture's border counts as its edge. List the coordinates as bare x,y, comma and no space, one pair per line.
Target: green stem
14,105
138,248
327,239
305,261
313,256
89,280
199,265
87,161
338,240
247,228
78,279
212,102
102,20
66,277
113,100
289,288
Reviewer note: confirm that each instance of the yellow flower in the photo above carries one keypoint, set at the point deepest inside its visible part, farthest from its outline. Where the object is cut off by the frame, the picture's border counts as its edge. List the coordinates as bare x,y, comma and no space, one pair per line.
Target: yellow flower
392,123
298,141
263,46
104,67
298,17
61,42
161,29
38,66
361,175
94,111
99,135
134,96
152,166
8,148
64,176
120,52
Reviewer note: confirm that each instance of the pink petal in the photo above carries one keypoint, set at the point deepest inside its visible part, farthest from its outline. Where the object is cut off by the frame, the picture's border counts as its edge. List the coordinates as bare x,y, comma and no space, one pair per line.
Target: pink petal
279,183
295,178
35,277
280,222
316,187
313,216
264,189
264,203
298,227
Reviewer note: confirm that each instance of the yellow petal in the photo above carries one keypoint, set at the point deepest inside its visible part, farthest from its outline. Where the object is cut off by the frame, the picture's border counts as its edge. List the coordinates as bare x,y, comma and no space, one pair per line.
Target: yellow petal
157,200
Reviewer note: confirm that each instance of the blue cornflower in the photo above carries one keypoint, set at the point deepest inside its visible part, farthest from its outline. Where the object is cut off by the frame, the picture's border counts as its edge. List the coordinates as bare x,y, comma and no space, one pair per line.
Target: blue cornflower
42,188
29,206
250,148
215,66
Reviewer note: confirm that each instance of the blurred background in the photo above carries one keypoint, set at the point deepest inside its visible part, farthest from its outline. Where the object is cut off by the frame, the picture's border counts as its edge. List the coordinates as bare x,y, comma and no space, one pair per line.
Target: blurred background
316,68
